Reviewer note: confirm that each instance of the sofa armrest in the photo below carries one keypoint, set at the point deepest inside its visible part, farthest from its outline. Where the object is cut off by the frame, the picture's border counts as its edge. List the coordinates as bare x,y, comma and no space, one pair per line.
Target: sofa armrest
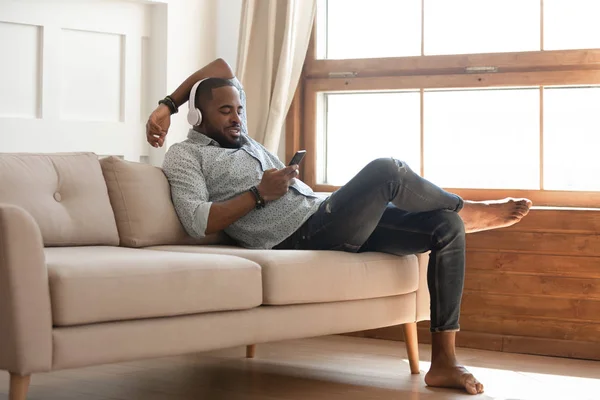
25,312
423,313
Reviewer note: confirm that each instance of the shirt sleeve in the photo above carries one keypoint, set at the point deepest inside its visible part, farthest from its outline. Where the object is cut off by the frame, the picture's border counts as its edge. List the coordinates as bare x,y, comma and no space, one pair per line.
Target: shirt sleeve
188,191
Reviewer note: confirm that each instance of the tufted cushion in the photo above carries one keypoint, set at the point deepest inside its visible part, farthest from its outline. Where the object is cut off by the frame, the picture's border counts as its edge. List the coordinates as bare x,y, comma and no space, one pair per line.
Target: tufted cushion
64,192
141,198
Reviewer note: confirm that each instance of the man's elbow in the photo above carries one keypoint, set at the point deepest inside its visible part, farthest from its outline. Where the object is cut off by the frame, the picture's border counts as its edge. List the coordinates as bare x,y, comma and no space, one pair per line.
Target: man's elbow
224,69
213,226
210,230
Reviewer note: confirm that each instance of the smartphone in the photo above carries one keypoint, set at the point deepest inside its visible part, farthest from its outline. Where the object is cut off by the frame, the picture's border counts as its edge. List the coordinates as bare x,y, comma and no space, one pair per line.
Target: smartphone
297,157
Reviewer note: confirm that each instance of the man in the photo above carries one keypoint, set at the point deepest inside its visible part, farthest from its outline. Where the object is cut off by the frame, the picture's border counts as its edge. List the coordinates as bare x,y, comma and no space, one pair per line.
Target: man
221,179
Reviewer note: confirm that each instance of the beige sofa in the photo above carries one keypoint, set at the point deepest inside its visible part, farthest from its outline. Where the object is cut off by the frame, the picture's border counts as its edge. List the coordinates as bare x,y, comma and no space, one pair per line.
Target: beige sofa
95,268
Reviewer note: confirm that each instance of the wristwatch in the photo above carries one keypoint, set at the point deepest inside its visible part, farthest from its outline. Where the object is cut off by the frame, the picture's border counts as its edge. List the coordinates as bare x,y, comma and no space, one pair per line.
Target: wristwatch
260,202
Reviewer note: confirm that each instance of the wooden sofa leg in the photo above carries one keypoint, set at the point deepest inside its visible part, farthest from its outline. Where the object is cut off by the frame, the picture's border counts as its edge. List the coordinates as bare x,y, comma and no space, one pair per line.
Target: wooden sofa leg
412,346
19,385
250,350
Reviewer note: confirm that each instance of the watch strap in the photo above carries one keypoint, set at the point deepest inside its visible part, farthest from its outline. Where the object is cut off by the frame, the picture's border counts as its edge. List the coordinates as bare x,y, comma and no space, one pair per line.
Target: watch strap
168,101
260,202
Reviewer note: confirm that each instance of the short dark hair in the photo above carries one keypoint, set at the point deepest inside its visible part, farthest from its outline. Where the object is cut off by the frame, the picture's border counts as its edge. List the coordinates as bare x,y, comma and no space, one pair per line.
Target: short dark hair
204,90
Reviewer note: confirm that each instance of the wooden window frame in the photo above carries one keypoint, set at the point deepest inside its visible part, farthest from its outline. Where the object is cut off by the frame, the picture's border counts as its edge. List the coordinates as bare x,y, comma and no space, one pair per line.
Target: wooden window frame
517,69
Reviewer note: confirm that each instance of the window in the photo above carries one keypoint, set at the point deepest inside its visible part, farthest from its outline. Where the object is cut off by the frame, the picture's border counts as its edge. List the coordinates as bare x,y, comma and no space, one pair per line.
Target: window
502,124
396,136
485,98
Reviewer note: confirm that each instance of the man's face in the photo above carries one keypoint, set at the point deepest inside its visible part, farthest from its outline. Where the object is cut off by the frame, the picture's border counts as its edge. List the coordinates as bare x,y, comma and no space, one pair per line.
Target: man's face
221,117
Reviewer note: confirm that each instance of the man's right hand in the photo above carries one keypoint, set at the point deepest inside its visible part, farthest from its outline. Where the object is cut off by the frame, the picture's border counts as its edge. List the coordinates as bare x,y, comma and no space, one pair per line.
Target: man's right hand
275,183
158,125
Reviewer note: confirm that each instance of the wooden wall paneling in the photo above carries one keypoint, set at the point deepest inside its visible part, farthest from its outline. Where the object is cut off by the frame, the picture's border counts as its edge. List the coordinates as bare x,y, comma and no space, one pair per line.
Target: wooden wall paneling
552,347
524,305
540,264
584,221
503,343
531,288
538,243
531,327
493,282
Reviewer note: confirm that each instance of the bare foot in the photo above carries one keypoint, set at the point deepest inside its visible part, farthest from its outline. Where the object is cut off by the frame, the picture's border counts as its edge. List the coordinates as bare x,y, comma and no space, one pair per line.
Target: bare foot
484,215
452,376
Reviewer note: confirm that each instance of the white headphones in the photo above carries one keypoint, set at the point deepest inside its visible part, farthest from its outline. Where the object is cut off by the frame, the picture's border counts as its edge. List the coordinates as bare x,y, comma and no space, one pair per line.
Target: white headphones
194,116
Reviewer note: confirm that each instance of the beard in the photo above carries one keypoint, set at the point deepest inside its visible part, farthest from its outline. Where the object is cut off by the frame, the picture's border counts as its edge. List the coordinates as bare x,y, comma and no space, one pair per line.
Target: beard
225,140
230,143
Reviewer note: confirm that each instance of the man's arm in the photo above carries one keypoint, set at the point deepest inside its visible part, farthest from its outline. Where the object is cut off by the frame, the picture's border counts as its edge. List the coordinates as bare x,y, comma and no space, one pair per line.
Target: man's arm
216,69
190,195
274,184
225,213
160,119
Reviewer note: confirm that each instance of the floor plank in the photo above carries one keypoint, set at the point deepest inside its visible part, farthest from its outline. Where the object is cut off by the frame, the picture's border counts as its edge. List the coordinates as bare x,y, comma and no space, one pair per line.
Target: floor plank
335,367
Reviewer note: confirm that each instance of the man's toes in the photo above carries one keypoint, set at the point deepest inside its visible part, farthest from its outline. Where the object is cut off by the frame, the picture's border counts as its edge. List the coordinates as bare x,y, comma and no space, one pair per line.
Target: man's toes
471,387
479,387
523,210
525,203
522,206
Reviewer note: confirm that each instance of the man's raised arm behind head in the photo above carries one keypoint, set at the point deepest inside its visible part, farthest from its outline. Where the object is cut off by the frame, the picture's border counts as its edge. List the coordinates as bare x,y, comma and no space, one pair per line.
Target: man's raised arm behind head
160,119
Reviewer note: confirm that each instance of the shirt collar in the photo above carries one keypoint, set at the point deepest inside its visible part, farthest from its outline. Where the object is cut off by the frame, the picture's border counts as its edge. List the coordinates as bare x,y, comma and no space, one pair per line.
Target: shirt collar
204,140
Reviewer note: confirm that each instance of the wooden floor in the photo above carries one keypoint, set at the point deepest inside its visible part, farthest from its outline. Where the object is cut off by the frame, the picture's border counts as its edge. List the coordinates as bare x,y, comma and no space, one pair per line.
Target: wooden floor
334,367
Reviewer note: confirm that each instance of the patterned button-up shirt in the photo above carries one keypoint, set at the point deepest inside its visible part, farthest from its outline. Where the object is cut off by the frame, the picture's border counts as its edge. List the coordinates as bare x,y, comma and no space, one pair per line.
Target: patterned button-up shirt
201,172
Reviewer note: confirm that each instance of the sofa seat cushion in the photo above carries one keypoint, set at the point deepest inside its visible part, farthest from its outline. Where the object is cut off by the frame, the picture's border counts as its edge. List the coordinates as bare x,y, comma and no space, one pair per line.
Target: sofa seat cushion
317,276
102,283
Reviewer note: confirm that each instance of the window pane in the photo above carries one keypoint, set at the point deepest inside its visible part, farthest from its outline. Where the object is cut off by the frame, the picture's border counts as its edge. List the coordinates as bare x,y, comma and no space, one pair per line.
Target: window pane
363,127
374,28
481,26
571,139
571,24
482,138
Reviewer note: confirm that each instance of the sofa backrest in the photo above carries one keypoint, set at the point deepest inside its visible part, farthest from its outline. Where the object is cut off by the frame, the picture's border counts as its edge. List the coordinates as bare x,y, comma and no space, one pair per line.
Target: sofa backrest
141,200
64,192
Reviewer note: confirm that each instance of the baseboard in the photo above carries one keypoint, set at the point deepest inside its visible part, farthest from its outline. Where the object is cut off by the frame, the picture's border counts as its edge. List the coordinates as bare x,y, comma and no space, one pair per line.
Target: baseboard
496,342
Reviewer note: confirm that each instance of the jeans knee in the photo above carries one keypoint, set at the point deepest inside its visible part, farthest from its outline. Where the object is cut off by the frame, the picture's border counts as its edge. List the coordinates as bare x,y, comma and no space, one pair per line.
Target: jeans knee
388,169
451,227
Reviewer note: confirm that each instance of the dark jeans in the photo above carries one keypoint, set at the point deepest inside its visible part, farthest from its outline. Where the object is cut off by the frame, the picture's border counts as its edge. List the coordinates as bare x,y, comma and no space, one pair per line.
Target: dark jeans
388,208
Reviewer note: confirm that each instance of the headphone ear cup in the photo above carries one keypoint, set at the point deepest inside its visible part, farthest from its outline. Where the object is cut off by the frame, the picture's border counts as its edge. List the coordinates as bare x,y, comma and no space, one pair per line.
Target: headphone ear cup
194,117
199,114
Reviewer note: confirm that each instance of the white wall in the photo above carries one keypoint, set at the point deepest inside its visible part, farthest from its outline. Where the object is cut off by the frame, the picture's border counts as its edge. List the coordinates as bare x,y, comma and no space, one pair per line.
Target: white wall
228,17
180,36
199,32
191,44
70,76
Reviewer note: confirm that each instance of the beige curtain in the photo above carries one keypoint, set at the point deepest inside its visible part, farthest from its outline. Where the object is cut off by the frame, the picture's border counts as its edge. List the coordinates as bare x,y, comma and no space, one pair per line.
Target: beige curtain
274,36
